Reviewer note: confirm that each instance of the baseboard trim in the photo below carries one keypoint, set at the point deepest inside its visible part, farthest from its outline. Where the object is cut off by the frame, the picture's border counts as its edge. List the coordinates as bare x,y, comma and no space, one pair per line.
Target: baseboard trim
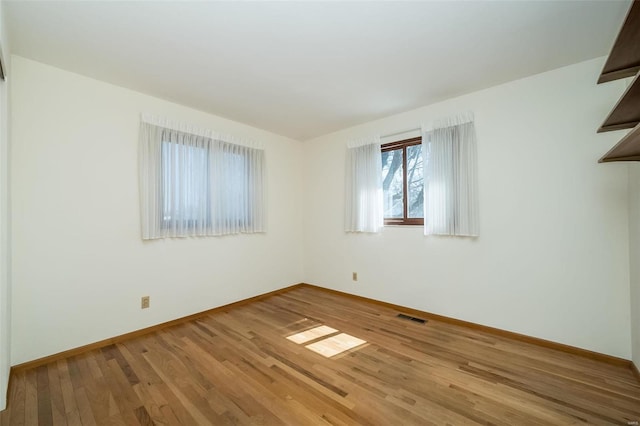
106,342
609,359
8,394
636,371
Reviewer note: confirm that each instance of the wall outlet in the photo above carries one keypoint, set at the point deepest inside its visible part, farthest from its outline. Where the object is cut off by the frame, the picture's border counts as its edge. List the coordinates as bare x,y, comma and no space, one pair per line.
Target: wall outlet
144,303
355,276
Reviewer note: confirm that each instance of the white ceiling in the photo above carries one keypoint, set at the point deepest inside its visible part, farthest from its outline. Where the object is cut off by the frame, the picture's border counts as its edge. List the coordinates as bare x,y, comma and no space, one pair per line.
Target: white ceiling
304,69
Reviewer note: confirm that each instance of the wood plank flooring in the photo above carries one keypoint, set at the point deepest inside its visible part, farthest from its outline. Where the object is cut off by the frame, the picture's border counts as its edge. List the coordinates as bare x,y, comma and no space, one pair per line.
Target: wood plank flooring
238,367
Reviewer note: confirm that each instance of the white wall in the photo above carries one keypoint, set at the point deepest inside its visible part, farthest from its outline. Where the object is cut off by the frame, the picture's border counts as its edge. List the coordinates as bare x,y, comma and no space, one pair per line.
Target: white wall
80,266
552,260
634,258
5,227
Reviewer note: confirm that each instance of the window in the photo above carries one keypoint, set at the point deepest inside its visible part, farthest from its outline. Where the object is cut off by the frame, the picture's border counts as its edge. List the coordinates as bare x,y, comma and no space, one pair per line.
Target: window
190,202
238,194
196,185
402,182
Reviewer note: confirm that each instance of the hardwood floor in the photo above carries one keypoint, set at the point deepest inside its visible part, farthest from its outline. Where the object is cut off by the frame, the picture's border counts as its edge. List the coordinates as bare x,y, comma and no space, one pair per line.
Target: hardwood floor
238,367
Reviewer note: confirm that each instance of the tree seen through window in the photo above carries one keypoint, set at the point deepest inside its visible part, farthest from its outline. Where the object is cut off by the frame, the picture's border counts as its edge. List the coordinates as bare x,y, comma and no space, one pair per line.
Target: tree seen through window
403,182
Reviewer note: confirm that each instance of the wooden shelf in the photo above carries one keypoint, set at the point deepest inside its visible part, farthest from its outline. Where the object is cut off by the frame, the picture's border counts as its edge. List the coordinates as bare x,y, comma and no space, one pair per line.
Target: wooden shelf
626,113
624,59
628,149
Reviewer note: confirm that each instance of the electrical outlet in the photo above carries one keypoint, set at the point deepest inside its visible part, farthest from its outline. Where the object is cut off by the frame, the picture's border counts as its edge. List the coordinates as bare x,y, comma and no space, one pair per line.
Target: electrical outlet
144,303
355,276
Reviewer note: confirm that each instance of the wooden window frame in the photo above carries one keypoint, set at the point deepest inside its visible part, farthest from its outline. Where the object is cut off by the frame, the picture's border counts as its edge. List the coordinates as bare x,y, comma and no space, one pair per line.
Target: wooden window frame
392,146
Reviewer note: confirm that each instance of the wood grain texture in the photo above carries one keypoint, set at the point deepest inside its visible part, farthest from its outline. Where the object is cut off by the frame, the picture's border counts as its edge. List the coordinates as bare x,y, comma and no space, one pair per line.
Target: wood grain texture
625,114
102,343
624,58
624,61
236,366
627,149
496,331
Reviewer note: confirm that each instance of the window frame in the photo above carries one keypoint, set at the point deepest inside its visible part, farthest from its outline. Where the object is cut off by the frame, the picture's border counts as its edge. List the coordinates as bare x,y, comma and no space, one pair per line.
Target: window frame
392,146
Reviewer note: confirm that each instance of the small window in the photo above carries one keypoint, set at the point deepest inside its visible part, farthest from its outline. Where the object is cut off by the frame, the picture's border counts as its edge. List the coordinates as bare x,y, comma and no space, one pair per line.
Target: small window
403,182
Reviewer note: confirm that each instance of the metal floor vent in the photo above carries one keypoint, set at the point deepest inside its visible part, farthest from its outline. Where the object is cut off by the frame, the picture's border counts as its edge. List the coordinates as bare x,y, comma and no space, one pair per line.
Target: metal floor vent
410,318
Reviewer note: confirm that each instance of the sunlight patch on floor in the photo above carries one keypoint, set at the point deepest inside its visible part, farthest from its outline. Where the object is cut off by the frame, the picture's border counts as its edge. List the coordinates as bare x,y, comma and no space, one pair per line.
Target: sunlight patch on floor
335,345
325,340
312,334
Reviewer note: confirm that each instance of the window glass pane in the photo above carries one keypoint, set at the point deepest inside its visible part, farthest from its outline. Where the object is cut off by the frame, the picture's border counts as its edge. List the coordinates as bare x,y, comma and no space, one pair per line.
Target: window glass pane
415,187
392,184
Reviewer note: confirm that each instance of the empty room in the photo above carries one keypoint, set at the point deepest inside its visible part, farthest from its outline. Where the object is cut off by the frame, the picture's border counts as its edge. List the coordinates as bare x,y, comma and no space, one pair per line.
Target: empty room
319,212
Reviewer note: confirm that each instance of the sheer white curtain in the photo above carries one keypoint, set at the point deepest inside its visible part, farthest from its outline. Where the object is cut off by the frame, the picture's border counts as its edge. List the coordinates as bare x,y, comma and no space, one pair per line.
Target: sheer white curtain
195,184
238,191
451,178
364,202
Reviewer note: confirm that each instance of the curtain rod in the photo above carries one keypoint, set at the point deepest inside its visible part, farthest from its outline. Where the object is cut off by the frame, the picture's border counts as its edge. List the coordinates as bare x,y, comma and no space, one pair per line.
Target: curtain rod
401,132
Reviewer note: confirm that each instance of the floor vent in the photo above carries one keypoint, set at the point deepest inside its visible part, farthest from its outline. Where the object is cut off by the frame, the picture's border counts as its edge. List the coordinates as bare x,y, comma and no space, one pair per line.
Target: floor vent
410,318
